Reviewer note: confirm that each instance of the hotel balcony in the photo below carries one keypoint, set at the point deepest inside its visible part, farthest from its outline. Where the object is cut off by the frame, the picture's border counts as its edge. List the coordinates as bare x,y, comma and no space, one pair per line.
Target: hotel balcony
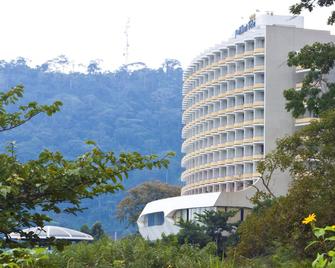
259,50
248,87
259,68
248,122
238,124
258,85
239,107
259,103
249,70
247,175
248,158
298,86
300,69
248,105
258,121
239,56
303,121
258,138
249,53
238,142
257,157
248,140
238,90
228,59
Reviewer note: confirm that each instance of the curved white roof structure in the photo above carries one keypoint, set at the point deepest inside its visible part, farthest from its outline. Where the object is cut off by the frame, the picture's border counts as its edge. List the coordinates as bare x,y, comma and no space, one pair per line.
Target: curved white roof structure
168,205
54,231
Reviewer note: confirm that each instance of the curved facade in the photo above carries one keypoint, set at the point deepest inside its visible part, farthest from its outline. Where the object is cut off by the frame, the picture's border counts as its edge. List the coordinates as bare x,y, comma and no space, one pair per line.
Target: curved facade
223,116
233,113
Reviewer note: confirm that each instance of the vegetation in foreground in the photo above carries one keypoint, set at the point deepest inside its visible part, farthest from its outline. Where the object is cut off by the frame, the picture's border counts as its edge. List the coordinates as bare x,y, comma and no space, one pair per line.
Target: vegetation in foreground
135,252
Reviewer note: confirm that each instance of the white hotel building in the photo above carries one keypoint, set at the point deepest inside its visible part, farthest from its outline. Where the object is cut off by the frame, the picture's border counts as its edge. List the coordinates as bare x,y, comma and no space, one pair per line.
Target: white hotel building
233,113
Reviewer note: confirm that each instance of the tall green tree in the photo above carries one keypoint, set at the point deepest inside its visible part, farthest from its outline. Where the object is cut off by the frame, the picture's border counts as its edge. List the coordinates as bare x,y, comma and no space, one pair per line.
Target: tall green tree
97,231
212,225
317,94
51,183
85,229
310,5
309,157
130,208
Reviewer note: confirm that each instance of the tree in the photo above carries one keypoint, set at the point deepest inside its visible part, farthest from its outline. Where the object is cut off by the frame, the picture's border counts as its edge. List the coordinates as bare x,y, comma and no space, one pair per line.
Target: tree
212,225
193,233
170,64
51,183
97,231
10,120
216,227
310,5
94,67
85,229
309,157
317,94
132,205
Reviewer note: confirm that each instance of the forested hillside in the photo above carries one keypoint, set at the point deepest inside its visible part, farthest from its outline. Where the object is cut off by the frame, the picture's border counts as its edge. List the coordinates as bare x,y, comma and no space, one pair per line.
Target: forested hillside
138,110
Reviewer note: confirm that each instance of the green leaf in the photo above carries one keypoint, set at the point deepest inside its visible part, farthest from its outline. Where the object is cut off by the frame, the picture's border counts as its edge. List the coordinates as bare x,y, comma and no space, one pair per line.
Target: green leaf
331,238
311,243
90,142
318,232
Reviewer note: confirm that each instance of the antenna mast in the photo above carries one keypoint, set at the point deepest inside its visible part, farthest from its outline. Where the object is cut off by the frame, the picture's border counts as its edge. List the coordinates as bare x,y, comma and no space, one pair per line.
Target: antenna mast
126,50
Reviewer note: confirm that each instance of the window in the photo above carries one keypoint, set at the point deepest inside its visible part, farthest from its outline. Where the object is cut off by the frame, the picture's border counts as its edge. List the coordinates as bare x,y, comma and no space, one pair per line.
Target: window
155,218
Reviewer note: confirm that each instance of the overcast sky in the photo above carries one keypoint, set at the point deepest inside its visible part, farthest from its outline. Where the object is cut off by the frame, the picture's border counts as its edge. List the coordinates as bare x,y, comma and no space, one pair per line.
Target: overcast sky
94,29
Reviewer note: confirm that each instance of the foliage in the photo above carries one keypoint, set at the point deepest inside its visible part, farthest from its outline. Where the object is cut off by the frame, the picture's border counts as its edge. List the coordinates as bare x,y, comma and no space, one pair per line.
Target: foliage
24,113
317,94
121,110
310,5
209,226
51,183
324,237
133,203
309,156
134,252
96,231
93,67
193,233
23,257
85,229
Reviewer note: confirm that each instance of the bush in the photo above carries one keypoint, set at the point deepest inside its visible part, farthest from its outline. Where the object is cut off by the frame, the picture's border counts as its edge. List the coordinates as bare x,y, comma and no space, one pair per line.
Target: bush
134,252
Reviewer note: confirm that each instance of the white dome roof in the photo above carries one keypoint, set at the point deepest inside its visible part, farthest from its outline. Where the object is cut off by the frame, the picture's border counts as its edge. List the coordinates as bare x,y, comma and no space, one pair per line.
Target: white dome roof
54,231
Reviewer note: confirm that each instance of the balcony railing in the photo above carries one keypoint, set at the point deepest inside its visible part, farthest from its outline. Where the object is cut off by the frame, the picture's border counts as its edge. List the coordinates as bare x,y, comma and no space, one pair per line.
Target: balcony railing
259,85
259,50
298,85
248,53
259,68
259,121
249,70
305,120
258,138
248,87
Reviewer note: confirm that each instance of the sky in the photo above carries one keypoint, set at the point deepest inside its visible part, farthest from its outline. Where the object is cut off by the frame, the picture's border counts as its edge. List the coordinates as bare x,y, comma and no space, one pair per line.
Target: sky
85,30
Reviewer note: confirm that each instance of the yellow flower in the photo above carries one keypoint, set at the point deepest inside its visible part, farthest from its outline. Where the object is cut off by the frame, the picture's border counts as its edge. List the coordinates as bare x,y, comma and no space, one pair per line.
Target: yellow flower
310,218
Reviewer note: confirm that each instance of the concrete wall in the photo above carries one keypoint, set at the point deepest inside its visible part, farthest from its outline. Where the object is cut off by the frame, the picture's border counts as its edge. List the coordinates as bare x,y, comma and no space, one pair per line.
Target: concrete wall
278,77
